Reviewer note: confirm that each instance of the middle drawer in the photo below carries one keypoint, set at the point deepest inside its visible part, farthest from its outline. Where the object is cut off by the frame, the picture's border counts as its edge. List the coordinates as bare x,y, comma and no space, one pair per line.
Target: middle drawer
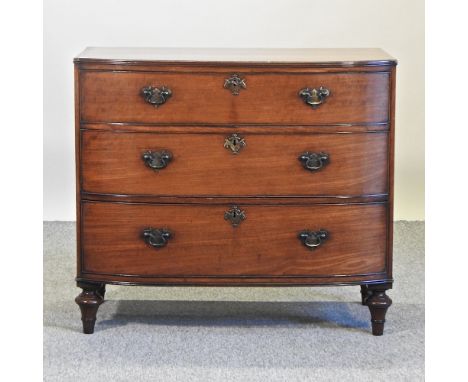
193,164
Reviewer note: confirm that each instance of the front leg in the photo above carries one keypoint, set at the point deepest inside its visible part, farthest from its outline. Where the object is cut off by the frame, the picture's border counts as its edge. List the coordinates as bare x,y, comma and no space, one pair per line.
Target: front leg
102,290
89,301
378,303
365,294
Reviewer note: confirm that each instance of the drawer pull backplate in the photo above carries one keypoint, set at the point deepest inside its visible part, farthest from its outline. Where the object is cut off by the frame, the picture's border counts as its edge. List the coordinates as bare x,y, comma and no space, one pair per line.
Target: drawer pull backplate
156,237
313,239
314,161
157,160
156,96
314,97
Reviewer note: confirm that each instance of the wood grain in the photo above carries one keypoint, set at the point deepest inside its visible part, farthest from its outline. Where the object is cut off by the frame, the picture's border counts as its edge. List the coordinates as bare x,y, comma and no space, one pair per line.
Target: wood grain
118,196
233,199
268,165
346,128
232,67
391,173
77,89
204,243
247,281
200,98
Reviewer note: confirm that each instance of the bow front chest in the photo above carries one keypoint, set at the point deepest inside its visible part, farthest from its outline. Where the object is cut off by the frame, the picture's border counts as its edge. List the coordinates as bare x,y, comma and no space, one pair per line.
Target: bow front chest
254,167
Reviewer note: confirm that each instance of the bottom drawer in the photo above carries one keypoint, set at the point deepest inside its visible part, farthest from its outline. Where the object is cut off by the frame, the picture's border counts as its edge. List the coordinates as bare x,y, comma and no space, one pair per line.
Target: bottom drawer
200,240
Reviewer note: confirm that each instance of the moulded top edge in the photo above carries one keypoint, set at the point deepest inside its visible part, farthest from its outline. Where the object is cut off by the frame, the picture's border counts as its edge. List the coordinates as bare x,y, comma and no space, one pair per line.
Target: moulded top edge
301,56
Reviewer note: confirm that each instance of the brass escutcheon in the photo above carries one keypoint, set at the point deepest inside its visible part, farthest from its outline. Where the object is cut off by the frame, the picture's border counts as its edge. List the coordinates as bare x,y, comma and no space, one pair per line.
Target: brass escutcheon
235,143
235,83
235,215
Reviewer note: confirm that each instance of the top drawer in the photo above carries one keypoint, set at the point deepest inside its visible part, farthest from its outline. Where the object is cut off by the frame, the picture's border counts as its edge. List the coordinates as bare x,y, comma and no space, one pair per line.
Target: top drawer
268,98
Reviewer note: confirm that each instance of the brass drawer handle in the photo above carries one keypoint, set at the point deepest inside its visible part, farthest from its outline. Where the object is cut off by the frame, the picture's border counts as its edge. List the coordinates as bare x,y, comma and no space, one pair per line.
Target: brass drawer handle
235,143
157,160
313,239
314,97
314,161
156,237
156,96
235,83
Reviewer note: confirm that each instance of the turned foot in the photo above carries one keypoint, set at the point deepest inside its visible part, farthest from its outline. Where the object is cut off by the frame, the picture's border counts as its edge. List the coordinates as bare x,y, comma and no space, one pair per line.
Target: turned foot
365,294
89,301
102,291
378,303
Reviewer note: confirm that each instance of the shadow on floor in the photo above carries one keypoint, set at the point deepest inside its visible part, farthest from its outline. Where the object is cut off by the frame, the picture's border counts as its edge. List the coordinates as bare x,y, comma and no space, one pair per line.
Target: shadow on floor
239,314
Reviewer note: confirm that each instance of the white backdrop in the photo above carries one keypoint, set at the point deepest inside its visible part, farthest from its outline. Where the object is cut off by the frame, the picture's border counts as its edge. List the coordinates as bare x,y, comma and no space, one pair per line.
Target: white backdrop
397,26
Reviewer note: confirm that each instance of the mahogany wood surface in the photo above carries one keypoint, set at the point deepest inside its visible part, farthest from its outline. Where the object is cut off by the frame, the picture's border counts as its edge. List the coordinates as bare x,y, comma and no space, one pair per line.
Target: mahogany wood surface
89,301
268,165
118,196
344,128
77,97
378,303
235,199
201,98
243,280
204,243
391,171
223,67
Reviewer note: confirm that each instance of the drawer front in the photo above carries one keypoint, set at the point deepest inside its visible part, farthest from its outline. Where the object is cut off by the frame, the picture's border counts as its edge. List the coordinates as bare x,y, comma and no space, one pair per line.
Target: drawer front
202,98
269,164
204,242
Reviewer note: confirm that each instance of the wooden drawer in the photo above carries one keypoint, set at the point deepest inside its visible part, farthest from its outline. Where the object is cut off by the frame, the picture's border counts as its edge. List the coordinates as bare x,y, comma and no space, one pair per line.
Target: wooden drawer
200,98
112,163
203,242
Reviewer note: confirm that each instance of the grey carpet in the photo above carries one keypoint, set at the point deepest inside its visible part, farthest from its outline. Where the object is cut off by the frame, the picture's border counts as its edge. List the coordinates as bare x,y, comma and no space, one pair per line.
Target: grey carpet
233,334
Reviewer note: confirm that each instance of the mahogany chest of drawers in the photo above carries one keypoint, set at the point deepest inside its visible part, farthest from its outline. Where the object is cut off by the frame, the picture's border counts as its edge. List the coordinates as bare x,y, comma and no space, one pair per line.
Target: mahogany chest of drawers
234,167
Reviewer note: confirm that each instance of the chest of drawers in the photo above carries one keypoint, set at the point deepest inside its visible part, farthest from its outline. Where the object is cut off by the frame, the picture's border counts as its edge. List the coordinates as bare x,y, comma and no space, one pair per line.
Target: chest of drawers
234,167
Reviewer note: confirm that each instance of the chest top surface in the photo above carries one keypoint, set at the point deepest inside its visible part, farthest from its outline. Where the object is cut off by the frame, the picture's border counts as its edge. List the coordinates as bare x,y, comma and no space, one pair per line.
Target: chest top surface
309,56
